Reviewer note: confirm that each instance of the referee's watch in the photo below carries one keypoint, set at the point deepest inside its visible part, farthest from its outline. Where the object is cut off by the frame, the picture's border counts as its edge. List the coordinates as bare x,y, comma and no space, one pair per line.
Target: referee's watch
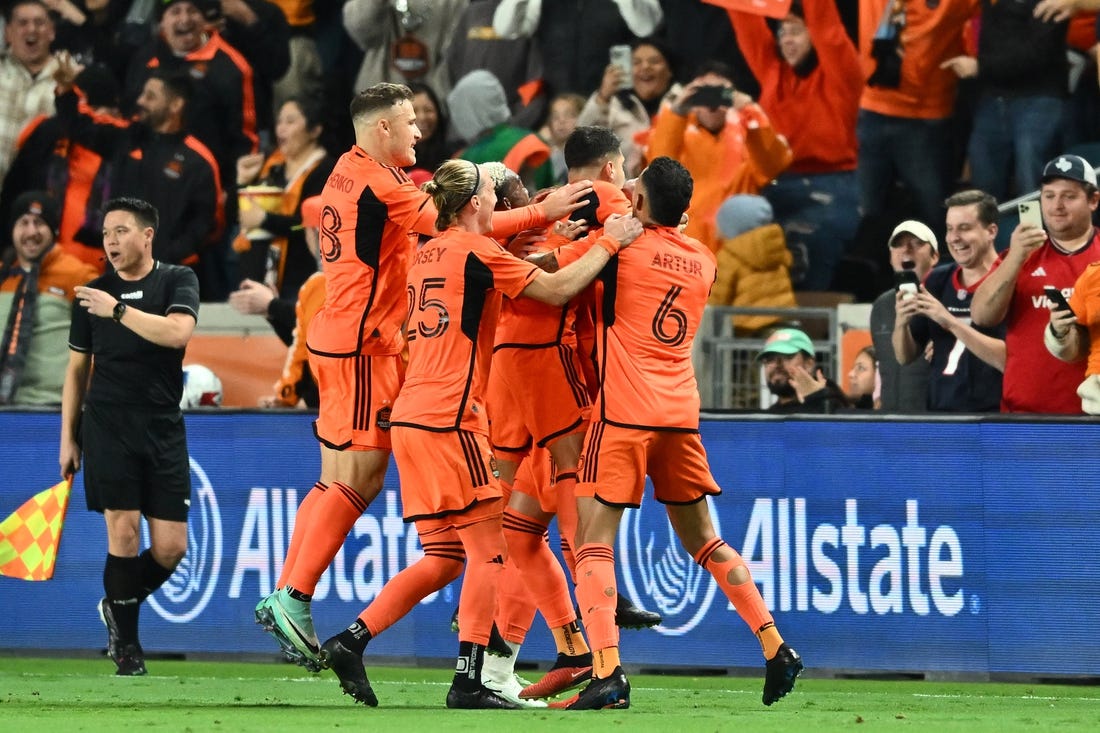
120,310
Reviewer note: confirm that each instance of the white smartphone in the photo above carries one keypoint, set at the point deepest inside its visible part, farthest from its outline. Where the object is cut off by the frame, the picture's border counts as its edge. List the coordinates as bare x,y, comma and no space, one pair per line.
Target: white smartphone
1030,213
623,57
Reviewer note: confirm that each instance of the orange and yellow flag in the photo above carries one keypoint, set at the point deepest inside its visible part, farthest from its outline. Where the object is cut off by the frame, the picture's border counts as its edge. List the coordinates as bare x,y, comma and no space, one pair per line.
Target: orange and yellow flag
29,538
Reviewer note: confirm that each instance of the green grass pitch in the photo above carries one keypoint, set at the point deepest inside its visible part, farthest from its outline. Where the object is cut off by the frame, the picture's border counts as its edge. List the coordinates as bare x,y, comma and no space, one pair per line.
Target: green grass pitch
46,695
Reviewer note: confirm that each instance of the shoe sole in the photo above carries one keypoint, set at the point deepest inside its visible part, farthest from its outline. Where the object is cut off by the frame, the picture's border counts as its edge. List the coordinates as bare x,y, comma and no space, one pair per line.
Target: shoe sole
620,704
112,630
790,675
638,625
350,687
266,618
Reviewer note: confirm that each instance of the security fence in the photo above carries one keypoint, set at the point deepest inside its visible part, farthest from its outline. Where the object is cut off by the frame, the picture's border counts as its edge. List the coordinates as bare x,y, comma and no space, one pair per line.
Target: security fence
725,358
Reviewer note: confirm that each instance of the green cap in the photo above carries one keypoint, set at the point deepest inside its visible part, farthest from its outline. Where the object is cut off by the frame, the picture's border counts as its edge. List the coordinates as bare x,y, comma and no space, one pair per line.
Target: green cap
787,341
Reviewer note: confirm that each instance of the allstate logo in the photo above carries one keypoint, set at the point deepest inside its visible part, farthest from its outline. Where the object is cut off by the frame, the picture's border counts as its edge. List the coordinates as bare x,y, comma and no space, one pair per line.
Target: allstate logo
186,593
658,574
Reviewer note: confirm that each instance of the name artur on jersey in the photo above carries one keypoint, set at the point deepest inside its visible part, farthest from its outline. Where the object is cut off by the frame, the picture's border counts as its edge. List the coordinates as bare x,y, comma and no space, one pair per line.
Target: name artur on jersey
677,263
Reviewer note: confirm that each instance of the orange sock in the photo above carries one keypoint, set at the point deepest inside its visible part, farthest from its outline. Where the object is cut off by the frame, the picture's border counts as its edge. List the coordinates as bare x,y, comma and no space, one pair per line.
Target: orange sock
569,640
515,606
477,602
301,521
441,564
604,661
727,567
540,572
330,521
566,483
596,594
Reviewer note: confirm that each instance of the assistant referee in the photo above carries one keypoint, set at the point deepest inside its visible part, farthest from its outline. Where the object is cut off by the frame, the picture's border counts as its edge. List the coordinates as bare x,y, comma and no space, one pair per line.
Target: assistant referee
120,405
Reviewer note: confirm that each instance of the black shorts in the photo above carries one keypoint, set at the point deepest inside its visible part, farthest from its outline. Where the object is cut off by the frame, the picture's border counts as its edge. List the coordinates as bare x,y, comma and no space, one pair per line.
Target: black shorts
136,459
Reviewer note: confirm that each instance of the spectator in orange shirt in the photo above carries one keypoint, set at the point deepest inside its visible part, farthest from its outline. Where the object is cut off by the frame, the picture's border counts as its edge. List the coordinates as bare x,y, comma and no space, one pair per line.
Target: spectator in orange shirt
904,125
726,142
810,82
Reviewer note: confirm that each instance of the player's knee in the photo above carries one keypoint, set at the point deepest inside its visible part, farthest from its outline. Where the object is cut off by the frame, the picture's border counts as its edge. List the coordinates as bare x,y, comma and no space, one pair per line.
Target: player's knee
169,554
445,568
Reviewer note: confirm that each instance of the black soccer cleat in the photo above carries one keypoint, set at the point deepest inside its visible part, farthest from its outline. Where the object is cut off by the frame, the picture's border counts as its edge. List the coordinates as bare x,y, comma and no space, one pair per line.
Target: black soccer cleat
607,693
480,699
629,616
107,616
348,667
130,661
780,673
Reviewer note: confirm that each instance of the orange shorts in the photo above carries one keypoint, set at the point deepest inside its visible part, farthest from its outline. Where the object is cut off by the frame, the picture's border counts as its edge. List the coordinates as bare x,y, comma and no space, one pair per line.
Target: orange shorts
535,478
616,461
445,528
443,473
535,395
356,394
507,432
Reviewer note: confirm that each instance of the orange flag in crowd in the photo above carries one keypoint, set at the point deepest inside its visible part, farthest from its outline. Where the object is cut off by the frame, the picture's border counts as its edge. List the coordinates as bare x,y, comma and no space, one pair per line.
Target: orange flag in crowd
770,8
29,538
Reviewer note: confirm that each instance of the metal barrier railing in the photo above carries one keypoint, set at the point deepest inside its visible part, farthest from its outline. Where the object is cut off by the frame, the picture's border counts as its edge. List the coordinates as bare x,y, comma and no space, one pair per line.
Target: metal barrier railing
725,359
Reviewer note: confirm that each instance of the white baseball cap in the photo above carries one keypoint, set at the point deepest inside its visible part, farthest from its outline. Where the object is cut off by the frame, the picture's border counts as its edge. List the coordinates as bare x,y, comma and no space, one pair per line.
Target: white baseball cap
918,230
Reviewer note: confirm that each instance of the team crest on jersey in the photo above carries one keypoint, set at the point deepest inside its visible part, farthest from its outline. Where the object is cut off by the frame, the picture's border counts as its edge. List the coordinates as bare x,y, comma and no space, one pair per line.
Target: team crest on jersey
382,418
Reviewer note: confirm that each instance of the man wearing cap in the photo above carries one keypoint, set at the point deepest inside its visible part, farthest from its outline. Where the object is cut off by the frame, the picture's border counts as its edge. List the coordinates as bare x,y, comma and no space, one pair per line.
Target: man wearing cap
793,376
1034,380
36,287
967,361
913,246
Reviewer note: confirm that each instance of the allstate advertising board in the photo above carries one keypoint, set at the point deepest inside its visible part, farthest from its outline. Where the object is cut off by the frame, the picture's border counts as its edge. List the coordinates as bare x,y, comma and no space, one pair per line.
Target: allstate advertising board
902,546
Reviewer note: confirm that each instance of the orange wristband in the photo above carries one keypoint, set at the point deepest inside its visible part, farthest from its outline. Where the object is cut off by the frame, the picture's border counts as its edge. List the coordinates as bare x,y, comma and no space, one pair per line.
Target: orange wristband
609,243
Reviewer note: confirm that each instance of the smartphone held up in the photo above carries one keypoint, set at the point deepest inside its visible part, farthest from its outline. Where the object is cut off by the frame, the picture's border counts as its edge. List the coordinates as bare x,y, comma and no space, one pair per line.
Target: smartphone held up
1030,213
622,57
907,283
1055,296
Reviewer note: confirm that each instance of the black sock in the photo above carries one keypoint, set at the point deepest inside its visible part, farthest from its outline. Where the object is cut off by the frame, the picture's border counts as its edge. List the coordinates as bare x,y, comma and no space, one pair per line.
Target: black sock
298,595
122,585
355,637
153,574
468,668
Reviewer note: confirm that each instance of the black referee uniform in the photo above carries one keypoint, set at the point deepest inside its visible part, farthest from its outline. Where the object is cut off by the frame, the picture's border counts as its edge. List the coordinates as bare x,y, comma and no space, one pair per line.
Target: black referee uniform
132,432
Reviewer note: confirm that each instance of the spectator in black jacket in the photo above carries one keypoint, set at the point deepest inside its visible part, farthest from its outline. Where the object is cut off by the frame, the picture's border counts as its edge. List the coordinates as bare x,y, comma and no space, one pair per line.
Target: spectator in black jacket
155,158
258,29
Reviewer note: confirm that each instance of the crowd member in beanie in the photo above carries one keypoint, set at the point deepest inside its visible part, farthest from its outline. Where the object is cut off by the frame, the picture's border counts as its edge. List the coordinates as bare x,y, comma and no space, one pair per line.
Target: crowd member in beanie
36,287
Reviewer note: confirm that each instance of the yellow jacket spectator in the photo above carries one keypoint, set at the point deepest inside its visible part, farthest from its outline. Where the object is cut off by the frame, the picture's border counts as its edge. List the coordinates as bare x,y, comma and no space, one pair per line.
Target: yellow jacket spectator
754,264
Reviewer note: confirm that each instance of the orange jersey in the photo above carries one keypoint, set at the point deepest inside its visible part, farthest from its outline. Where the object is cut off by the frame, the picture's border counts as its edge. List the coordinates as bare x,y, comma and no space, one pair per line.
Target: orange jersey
530,324
649,304
455,285
369,219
